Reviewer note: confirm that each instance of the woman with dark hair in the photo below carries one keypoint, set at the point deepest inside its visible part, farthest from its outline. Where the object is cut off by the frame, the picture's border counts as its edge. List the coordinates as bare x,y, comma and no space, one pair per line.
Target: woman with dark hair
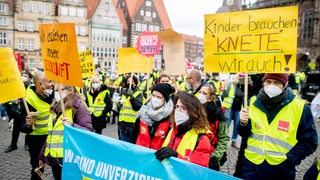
189,138
153,122
129,105
218,126
76,114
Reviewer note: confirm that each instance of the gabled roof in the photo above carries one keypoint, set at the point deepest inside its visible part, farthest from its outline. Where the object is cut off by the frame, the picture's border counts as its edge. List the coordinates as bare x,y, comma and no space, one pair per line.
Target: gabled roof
133,6
122,19
191,38
91,6
162,12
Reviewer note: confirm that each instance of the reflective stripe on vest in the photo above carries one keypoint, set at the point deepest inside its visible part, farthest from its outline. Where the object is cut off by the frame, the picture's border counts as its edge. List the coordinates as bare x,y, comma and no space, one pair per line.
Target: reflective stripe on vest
55,136
127,114
41,121
98,105
272,142
188,142
227,101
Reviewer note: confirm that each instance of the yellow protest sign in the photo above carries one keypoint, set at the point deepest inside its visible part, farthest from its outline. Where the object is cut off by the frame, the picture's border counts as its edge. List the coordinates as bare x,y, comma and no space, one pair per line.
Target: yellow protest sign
173,51
10,77
251,41
60,56
129,60
86,63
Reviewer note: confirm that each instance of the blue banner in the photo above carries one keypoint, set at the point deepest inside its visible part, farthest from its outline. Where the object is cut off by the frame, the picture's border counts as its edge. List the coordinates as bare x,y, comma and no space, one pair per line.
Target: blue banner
88,155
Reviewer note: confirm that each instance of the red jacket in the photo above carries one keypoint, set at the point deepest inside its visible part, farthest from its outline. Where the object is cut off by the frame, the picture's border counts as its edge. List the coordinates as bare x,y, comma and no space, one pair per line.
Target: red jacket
157,140
202,152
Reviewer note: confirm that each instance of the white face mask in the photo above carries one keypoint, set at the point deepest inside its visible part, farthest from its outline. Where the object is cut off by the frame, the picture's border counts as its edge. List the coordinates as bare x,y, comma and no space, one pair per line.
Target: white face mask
24,79
188,86
156,102
57,96
180,117
202,98
47,92
272,90
95,85
179,78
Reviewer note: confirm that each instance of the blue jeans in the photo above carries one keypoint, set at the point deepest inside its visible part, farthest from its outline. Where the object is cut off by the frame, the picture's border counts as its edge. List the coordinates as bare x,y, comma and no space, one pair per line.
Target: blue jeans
235,116
3,110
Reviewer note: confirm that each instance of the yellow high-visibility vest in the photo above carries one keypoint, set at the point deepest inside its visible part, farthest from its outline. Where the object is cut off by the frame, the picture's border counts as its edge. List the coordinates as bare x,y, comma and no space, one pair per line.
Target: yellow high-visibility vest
271,142
41,121
98,105
127,114
227,101
55,136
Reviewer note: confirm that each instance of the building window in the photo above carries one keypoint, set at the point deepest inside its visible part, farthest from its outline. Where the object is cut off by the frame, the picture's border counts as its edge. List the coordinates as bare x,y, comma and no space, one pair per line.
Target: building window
21,45
3,38
30,45
154,14
64,11
32,63
107,7
148,13
142,12
44,9
148,3
308,24
26,7
21,25
72,12
144,27
83,30
80,12
3,21
2,7
34,7
30,26
138,26
151,28
156,28
82,46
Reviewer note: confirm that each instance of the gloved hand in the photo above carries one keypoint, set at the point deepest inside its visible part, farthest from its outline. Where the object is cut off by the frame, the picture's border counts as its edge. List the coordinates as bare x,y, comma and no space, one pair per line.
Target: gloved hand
165,152
214,164
121,101
129,92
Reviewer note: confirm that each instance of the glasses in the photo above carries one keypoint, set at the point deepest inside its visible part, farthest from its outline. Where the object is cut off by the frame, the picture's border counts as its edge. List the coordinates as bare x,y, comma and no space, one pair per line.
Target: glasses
180,108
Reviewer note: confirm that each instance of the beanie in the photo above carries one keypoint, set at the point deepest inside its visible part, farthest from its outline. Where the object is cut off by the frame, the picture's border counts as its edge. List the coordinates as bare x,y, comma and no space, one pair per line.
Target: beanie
165,89
280,77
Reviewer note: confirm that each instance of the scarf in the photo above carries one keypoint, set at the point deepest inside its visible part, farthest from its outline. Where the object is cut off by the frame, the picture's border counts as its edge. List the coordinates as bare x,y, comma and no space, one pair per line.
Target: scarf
149,115
272,103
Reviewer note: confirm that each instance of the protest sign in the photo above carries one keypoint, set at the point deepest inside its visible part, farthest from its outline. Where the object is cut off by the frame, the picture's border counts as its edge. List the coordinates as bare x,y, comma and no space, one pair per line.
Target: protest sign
173,52
10,77
92,156
60,56
148,44
86,63
129,60
262,40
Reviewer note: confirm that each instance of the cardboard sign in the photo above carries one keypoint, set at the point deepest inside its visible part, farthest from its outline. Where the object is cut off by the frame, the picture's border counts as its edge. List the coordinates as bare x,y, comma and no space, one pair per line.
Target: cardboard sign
60,56
129,60
86,63
262,41
10,77
148,44
173,51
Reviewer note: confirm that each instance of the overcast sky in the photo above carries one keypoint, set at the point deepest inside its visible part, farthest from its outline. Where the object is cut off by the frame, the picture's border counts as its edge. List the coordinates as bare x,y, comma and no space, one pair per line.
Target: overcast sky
187,16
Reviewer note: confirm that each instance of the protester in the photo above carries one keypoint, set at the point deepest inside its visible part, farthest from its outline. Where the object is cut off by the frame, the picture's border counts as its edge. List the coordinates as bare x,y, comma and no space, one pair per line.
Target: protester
39,97
218,126
193,81
232,103
163,78
280,128
129,105
189,138
14,111
76,115
153,122
99,104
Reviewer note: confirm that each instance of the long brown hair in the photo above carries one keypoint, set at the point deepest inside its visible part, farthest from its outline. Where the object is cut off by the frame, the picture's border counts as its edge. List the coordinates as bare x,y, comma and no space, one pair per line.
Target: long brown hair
197,114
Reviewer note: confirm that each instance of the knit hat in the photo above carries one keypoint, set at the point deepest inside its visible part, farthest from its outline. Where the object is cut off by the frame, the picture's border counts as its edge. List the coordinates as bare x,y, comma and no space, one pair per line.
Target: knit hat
165,89
280,77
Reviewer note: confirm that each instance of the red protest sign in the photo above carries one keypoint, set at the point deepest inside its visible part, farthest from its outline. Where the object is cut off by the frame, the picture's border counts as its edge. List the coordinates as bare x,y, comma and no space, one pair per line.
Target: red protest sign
148,44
